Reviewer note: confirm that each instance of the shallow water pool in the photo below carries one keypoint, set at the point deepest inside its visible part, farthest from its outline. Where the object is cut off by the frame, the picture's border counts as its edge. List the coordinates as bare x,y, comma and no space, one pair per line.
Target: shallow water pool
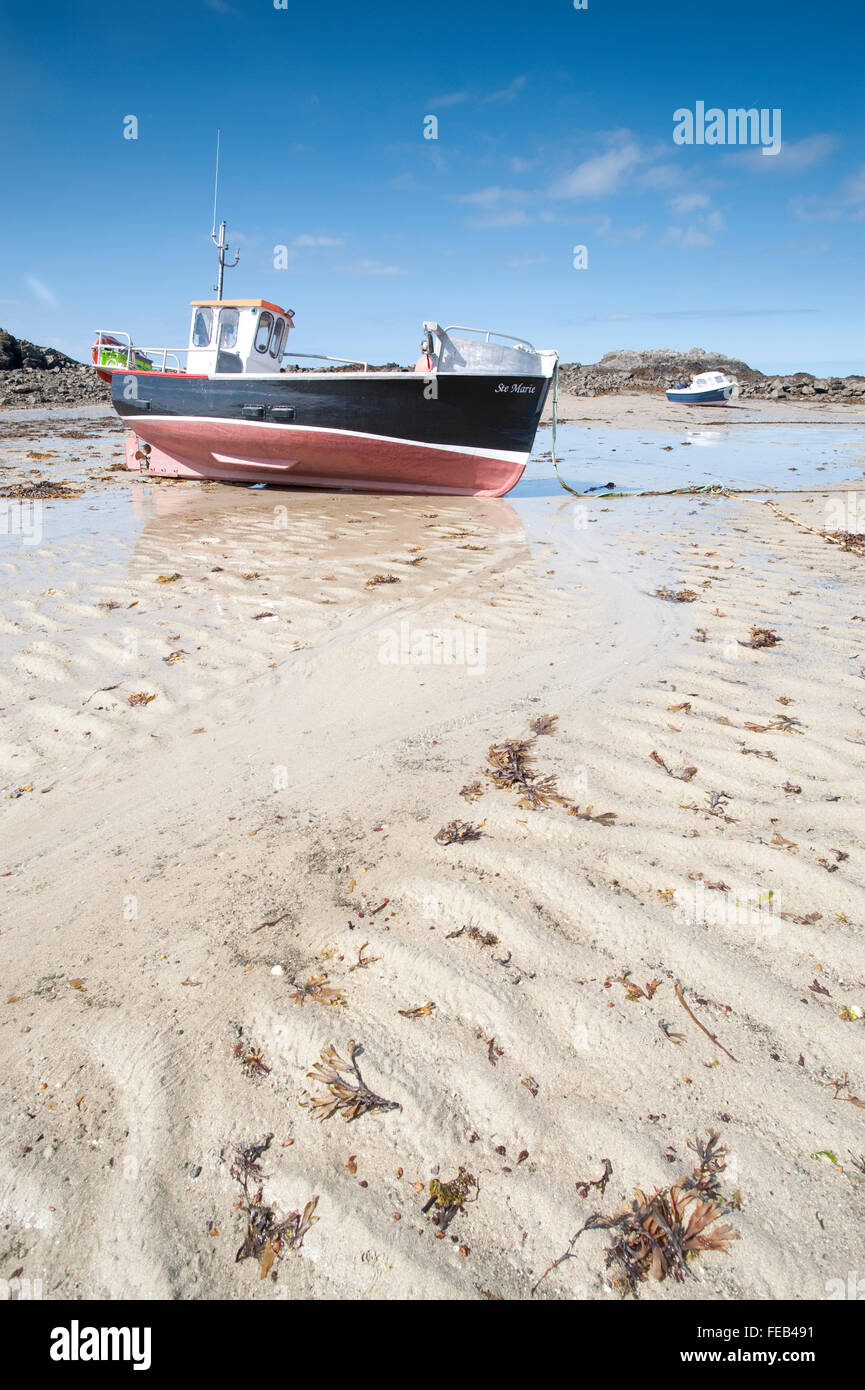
772,457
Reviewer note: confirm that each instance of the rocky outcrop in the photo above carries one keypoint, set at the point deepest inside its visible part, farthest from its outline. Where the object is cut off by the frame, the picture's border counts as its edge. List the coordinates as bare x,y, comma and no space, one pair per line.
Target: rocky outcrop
654,369
35,376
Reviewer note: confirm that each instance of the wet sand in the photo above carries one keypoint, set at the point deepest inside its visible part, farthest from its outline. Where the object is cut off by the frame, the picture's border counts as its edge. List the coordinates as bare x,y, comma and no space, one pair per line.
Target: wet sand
275,808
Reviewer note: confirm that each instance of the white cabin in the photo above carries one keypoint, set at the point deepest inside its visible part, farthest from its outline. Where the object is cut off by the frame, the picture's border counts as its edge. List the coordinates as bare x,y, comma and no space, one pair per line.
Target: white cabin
707,380
237,335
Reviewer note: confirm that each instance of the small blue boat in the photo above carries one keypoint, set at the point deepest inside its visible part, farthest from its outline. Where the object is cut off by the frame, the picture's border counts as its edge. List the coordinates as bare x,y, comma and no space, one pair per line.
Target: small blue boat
708,388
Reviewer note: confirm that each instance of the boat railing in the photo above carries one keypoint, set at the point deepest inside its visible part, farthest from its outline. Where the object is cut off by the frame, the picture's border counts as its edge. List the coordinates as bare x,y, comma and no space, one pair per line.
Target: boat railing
486,333
323,357
115,342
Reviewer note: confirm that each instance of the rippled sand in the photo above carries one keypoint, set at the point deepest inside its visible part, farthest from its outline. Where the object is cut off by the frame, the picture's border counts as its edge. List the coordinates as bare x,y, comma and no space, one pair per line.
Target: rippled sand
277,803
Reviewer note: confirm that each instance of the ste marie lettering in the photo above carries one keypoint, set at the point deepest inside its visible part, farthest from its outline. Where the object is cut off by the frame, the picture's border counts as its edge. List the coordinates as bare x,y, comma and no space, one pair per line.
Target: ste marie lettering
516,388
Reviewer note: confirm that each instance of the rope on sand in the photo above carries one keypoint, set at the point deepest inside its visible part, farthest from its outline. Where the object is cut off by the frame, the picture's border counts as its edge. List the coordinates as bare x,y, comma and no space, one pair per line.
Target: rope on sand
567,487
851,544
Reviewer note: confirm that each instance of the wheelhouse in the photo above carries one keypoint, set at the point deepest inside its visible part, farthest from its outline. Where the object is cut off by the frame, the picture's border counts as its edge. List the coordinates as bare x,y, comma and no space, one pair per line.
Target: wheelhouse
237,335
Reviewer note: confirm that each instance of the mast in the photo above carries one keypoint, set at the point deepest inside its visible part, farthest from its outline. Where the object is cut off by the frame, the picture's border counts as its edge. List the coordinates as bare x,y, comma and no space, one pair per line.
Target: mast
221,245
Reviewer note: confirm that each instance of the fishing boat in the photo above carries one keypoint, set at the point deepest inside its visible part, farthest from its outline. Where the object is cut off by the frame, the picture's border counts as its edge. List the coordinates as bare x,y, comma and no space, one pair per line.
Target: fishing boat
236,404
707,388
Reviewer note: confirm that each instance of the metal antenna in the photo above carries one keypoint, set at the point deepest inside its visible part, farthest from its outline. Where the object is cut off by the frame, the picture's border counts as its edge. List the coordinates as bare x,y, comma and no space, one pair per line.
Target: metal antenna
221,245
215,186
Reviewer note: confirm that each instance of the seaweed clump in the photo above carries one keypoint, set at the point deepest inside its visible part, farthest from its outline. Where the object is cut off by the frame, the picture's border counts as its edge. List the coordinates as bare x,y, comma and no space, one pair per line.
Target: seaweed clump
450,1197
512,768
268,1235
660,1233
347,1092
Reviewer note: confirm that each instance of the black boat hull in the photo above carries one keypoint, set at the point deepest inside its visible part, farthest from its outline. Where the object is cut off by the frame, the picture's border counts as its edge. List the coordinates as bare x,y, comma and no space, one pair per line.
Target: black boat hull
377,431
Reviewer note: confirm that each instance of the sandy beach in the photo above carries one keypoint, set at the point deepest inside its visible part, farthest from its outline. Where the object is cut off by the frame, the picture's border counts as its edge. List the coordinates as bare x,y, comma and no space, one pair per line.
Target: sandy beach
234,725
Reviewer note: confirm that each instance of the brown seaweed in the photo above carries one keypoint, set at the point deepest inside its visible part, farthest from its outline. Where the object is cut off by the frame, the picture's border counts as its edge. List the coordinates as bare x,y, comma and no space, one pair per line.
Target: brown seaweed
660,1233
761,637
348,1093
318,990
677,595
448,1198
458,832
683,775
268,1235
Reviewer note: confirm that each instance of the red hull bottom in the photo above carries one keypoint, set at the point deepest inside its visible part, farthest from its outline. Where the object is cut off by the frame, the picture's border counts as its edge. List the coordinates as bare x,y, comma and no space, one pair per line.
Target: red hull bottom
232,451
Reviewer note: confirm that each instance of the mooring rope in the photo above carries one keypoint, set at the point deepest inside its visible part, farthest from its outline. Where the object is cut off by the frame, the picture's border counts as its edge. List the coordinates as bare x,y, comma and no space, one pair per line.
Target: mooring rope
567,487
851,545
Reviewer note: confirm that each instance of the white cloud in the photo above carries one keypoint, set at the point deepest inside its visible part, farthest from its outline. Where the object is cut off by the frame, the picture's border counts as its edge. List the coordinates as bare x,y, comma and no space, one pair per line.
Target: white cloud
791,159
508,93
449,99
368,267
702,228
853,187
684,203
692,236
641,316
848,201
660,176
607,231
306,240
489,197
600,175
516,217
42,292
496,200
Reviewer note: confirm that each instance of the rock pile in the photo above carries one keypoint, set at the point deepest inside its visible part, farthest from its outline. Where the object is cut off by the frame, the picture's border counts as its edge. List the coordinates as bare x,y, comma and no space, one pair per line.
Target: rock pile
34,376
654,369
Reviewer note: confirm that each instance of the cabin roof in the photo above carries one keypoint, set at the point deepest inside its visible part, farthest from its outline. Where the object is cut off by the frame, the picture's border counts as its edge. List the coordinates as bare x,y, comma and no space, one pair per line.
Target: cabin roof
239,304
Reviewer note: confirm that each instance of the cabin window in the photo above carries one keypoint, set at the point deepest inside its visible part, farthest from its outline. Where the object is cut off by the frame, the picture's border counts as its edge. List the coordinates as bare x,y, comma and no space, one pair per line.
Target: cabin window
202,327
228,328
262,335
278,335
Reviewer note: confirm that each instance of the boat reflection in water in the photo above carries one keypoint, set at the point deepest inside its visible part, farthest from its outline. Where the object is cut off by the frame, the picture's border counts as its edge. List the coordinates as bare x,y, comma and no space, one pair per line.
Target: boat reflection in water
273,572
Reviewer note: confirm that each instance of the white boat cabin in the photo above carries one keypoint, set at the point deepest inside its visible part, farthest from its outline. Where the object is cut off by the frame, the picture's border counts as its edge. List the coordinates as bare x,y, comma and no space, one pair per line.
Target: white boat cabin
237,335
707,380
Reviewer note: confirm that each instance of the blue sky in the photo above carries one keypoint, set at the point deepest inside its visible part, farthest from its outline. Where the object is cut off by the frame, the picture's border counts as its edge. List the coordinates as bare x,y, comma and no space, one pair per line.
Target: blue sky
555,129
